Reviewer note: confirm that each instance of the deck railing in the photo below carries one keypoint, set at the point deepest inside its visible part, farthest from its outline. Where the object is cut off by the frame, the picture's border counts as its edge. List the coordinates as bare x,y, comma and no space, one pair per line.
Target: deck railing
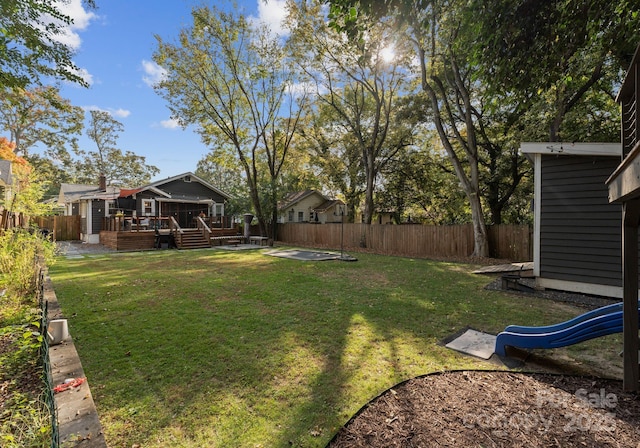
176,230
203,227
135,224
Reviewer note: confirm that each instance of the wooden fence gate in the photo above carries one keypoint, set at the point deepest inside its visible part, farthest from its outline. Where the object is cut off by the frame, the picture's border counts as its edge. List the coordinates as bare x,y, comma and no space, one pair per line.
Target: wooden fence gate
61,228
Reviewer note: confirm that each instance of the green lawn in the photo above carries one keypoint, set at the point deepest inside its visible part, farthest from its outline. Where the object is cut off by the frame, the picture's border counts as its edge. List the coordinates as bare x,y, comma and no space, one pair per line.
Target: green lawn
222,349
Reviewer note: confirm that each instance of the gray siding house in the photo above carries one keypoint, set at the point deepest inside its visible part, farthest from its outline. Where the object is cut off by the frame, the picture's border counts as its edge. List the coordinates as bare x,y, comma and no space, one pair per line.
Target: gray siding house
91,203
577,232
183,197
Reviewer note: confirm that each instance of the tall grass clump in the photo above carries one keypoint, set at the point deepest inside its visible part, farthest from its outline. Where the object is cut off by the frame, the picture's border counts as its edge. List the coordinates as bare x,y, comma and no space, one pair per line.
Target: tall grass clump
25,418
20,252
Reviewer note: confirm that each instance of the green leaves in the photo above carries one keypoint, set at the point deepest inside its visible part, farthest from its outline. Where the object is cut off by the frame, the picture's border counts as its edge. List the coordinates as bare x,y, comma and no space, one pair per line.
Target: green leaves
29,47
124,169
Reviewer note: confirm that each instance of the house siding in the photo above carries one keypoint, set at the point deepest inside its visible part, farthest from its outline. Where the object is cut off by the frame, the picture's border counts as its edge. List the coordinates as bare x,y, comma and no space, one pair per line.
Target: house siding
580,231
303,206
97,213
179,189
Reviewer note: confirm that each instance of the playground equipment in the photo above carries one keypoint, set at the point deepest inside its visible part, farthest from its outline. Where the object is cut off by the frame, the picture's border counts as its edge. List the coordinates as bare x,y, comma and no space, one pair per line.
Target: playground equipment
599,322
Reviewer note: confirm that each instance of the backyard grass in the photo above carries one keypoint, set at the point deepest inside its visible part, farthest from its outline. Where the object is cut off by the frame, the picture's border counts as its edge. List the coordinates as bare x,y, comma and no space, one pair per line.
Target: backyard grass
224,349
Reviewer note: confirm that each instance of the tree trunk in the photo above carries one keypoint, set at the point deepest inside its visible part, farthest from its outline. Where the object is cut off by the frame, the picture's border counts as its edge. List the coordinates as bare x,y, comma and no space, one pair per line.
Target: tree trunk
470,183
370,175
480,236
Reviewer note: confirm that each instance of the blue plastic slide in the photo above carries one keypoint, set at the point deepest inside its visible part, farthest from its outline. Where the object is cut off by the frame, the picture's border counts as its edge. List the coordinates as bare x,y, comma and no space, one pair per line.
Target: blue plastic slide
596,323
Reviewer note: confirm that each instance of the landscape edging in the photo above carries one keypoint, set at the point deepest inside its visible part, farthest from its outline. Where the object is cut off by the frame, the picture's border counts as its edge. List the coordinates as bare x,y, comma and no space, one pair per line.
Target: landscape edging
78,421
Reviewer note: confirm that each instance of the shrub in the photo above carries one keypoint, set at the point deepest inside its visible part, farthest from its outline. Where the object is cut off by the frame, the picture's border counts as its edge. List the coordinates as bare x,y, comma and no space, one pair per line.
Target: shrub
20,250
25,419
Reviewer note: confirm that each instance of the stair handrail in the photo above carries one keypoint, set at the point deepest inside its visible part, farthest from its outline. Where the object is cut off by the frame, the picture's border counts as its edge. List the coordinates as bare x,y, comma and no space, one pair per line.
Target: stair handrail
203,227
175,228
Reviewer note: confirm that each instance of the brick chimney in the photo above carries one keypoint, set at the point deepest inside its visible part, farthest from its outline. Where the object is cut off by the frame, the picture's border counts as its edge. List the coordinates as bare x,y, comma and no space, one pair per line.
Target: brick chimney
102,183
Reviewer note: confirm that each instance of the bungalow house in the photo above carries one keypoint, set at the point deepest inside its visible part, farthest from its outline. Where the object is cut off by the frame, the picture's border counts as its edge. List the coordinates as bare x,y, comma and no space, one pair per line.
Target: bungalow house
183,197
577,231
92,203
310,206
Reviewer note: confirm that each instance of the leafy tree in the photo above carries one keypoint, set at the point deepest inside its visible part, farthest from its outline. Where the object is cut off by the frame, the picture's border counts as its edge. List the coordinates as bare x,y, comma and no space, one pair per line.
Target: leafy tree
120,169
40,116
420,187
227,175
30,48
235,82
28,189
53,173
334,156
363,82
553,53
457,104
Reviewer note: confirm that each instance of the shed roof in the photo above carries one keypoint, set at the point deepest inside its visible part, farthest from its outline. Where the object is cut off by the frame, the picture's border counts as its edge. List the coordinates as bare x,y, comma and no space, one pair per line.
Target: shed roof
577,149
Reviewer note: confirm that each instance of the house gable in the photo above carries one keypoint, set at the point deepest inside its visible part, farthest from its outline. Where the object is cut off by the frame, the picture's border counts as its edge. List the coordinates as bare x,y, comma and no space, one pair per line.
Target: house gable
188,186
300,206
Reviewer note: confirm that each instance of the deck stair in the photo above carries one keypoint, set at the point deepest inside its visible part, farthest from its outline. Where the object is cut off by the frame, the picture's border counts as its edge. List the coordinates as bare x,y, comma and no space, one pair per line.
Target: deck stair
192,239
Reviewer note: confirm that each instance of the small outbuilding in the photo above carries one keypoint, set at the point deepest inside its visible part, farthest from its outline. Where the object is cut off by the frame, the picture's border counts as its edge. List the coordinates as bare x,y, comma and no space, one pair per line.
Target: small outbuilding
577,231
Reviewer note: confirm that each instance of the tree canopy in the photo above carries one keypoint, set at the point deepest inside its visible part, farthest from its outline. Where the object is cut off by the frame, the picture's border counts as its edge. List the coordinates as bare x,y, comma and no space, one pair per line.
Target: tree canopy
40,116
30,44
120,169
233,80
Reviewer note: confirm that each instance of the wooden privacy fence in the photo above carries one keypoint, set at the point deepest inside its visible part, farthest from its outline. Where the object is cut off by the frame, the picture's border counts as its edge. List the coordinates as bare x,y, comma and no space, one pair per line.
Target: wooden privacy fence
9,220
505,241
61,228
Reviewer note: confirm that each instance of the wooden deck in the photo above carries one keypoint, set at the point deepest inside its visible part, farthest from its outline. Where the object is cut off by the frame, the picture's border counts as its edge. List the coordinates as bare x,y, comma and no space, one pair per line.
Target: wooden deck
125,240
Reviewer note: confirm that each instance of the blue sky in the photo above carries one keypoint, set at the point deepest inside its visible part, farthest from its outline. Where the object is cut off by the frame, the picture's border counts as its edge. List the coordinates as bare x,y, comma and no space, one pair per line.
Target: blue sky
114,46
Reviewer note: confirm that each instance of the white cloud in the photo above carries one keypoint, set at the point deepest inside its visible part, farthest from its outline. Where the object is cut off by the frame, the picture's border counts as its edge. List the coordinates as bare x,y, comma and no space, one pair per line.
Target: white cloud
85,75
171,123
272,13
120,113
153,73
81,19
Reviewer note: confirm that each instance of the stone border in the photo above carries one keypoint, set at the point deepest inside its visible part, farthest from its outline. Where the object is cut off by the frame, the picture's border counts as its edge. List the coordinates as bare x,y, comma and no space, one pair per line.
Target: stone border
78,422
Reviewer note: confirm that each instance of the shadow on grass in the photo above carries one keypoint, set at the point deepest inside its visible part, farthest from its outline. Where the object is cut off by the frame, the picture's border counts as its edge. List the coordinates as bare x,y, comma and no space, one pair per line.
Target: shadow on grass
230,349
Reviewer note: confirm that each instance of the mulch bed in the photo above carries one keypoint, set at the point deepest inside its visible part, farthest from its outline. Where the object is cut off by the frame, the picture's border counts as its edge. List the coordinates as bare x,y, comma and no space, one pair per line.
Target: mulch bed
497,409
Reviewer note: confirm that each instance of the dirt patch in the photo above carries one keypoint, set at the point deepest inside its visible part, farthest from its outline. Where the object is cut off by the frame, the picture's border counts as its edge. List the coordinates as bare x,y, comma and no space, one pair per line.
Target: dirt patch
497,409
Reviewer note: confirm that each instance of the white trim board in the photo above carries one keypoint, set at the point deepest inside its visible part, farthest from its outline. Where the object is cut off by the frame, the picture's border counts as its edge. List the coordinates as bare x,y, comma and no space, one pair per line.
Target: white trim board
576,149
580,287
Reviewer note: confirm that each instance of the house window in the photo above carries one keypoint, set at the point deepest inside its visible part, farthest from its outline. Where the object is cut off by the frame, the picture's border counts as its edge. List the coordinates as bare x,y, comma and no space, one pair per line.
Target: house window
112,208
219,209
147,207
300,216
312,216
291,215
187,178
